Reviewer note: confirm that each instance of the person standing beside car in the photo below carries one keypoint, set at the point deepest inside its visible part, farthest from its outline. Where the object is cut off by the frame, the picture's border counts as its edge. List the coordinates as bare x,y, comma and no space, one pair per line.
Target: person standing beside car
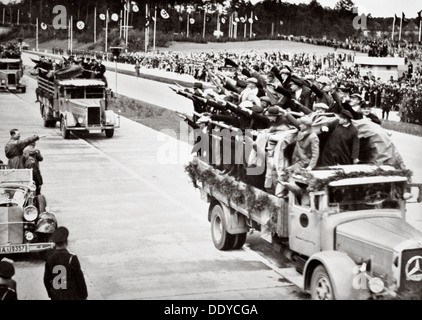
14,149
63,276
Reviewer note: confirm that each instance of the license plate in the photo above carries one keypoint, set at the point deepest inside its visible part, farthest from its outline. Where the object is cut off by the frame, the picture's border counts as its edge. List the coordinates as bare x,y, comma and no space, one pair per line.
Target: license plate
13,249
95,131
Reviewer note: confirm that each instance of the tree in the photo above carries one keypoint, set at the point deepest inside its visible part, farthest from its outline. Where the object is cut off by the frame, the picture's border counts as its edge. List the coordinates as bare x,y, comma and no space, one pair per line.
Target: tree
344,5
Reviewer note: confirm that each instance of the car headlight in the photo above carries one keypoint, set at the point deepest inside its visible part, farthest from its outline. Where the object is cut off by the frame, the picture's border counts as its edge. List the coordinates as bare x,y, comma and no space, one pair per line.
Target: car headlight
30,213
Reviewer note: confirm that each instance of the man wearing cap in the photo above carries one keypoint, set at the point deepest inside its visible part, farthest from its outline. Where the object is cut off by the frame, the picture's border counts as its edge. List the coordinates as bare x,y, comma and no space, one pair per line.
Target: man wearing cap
63,277
7,284
342,145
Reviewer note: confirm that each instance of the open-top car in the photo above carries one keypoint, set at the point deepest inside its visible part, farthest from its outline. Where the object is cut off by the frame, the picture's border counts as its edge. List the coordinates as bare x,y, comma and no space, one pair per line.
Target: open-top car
25,225
11,74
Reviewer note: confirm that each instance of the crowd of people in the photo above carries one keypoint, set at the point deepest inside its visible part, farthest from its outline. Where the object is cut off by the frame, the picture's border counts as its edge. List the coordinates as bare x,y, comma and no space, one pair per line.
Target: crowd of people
297,123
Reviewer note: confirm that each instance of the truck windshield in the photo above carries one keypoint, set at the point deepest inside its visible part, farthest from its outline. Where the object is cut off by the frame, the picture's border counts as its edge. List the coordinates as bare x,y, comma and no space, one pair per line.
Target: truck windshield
76,93
368,196
9,66
94,93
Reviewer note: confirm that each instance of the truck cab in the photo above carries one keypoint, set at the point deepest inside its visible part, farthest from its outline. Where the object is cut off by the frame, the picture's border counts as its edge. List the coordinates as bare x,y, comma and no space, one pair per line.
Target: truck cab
11,74
343,227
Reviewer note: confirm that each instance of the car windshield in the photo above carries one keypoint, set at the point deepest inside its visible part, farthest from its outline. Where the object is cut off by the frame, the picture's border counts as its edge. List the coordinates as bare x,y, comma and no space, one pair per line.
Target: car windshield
11,195
368,196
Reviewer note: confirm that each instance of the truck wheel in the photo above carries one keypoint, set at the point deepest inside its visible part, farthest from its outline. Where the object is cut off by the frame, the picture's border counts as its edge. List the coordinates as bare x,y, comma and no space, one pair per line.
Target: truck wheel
321,287
239,240
44,117
65,132
109,133
23,89
220,237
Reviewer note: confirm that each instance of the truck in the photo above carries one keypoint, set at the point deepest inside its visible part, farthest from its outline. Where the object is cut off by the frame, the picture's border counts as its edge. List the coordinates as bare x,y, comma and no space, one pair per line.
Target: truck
11,74
343,227
78,104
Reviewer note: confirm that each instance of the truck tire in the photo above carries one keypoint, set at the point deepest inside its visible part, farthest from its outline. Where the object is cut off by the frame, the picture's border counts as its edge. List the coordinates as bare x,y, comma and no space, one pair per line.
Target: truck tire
239,240
64,131
109,133
44,117
321,286
220,237
23,89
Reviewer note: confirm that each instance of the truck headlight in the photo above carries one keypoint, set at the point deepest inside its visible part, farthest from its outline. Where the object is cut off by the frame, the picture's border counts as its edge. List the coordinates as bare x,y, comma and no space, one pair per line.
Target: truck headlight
80,120
376,285
3,81
30,213
108,120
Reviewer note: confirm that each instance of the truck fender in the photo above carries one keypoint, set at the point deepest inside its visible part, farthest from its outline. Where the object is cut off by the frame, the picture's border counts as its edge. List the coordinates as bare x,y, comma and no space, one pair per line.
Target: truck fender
110,117
340,268
70,119
235,222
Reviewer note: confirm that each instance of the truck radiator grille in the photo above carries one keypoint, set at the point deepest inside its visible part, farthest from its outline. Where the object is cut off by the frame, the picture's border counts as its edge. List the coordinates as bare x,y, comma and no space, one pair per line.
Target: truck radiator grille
11,78
411,272
94,116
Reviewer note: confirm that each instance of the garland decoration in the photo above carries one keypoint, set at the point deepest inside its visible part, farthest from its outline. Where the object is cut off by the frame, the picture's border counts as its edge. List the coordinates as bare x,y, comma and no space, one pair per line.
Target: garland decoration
317,184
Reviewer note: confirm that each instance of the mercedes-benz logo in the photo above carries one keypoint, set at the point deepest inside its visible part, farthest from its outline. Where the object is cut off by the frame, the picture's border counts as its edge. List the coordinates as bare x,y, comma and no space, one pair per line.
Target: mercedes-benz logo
413,269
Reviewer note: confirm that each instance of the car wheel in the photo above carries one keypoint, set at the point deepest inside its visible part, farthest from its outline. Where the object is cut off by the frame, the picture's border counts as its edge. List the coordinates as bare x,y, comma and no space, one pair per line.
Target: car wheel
65,132
109,133
239,240
221,238
321,286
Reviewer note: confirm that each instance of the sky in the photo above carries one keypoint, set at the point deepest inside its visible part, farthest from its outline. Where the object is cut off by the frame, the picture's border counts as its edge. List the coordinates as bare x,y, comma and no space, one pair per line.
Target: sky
377,8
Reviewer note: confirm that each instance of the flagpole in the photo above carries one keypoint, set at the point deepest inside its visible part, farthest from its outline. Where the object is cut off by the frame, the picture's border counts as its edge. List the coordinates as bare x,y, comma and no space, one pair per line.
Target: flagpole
392,33
36,34
420,27
71,35
250,33
95,24
205,21
187,27
17,22
146,28
401,22
155,25
106,31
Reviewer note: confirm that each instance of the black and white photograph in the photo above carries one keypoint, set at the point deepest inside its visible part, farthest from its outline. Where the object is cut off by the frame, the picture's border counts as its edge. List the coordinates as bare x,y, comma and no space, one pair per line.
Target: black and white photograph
205,156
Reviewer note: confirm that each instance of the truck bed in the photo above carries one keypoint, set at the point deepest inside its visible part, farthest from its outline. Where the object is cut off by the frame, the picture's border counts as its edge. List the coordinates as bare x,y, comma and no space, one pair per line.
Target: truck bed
267,210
